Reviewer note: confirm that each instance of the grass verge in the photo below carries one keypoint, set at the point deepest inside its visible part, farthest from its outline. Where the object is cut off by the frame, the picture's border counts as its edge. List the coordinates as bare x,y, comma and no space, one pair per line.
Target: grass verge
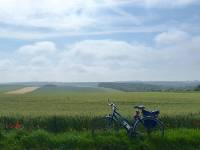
176,139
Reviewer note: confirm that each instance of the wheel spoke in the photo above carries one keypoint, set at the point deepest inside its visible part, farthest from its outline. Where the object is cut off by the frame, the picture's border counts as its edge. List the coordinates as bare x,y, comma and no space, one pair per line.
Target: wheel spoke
104,125
148,126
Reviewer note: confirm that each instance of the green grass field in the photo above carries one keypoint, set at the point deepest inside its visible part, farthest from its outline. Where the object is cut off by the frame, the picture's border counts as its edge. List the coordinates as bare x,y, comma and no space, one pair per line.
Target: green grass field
60,118
93,101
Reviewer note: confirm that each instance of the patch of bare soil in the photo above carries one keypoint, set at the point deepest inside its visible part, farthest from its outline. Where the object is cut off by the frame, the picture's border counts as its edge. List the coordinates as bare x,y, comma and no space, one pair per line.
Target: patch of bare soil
23,90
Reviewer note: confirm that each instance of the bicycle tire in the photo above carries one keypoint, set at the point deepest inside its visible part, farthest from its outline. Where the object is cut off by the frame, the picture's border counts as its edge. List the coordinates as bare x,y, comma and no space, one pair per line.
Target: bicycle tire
102,124
141,127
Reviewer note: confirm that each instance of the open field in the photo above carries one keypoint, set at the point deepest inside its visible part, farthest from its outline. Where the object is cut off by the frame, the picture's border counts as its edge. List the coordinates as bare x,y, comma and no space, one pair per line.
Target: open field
93,101
60,117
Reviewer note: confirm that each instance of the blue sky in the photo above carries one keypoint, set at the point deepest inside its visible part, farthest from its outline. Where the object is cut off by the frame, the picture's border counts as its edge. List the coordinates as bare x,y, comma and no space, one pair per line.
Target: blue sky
99,40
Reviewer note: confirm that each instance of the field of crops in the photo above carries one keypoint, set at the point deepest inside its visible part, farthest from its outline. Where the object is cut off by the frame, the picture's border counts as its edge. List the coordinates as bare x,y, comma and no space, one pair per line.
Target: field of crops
93,101
61,117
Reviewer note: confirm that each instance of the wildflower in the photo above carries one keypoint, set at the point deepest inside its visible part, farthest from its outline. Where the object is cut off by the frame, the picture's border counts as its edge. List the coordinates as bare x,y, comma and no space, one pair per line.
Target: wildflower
17,125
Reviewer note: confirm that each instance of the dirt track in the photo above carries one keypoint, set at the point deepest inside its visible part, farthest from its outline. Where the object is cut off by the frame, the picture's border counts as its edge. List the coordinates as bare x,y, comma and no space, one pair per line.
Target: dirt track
23,90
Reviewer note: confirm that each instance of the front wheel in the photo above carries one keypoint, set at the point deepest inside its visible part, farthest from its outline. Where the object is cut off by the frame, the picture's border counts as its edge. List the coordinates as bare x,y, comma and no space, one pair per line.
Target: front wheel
103,124
148,126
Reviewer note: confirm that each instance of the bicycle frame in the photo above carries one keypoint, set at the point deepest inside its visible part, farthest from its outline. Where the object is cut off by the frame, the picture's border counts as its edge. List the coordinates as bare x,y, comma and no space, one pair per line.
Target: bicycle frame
119,119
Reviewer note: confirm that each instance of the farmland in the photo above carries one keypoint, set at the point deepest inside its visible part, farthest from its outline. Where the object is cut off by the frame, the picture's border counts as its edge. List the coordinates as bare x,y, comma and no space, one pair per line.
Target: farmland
23,90
90,101
59,117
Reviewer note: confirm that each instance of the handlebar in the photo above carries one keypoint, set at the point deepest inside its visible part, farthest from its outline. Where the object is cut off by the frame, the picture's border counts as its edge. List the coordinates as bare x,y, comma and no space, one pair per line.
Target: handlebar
112,104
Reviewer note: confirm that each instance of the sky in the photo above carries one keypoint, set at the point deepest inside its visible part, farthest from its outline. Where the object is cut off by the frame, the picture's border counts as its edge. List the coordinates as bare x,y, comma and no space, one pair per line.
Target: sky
99,40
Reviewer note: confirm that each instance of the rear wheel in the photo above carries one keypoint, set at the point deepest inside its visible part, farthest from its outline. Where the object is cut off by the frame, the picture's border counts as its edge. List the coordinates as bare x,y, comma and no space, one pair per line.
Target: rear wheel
148,126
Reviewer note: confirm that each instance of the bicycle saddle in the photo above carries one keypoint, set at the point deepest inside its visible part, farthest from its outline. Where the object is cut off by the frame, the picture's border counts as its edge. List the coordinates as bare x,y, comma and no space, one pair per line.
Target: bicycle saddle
139,107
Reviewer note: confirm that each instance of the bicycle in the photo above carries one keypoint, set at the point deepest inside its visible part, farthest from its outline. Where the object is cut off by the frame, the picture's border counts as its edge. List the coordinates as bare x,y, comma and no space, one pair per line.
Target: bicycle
144,122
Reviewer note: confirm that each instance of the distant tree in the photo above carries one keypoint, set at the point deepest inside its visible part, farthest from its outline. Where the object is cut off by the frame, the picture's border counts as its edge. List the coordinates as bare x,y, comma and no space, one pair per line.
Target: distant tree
197,88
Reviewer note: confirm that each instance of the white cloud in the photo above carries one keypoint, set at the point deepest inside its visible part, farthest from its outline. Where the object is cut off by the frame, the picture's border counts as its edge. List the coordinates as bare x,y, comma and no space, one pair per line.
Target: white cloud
39,61
30,35
5,64
39,55
163,3
101,49
170,2
41,19
171,37
39,48
105,60
55,14
25,35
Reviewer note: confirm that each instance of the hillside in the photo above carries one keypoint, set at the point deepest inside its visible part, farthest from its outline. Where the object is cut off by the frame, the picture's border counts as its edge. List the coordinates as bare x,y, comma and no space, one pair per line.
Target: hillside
146,86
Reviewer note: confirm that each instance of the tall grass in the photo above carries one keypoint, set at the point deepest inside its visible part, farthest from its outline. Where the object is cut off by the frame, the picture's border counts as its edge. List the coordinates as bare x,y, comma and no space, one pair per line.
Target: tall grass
57,124
178,139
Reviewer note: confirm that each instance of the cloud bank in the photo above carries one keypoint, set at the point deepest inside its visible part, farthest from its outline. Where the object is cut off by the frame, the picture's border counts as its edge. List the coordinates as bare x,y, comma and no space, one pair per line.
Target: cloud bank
107,60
